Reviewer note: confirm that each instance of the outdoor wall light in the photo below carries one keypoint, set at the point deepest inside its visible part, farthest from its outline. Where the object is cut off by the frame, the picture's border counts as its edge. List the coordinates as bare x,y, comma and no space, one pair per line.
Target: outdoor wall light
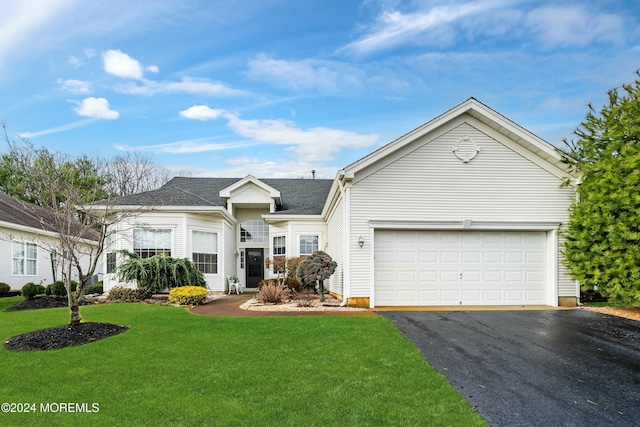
361,241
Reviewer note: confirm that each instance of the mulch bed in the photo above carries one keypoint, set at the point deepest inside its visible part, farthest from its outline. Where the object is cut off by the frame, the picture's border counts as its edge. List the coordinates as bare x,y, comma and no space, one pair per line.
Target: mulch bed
63,336
45,301
60,337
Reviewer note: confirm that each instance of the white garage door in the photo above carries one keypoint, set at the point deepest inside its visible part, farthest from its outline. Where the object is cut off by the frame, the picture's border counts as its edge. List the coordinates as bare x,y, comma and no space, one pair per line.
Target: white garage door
459,268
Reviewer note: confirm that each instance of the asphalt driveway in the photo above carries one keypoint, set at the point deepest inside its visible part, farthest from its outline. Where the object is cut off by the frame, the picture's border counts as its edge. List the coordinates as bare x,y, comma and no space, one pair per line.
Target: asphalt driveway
535,368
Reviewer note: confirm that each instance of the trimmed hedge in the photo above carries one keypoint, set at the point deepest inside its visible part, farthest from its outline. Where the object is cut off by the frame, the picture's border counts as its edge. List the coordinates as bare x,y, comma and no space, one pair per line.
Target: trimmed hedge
57,289
128,295
4,289
96,288
188,295
30,290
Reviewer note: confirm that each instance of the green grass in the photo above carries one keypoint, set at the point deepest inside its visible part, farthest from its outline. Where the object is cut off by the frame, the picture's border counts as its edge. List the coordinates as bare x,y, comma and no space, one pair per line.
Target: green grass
177,368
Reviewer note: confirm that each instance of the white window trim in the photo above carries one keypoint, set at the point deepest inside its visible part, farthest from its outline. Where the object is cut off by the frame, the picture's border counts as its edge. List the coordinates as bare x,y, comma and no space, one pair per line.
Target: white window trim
272,237
171,228
311,233
218,243
24,259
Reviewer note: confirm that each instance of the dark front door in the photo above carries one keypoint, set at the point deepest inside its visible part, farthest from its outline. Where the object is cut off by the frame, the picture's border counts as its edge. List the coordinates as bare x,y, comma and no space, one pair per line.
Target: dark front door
255,267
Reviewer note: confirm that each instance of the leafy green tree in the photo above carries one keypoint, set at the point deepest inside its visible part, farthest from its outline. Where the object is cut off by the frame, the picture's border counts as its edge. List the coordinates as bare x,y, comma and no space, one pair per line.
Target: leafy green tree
159,272
602,249
316,268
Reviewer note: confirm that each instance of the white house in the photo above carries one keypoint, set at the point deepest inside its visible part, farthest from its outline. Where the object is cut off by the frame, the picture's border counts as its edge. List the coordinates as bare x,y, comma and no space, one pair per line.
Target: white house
464,210
28,245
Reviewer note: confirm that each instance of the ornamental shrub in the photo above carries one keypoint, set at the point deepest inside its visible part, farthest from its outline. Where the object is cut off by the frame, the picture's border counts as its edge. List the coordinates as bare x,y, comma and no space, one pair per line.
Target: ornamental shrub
4,289
188,295
274,292
41,289
96,288
57,289
29,290
119,293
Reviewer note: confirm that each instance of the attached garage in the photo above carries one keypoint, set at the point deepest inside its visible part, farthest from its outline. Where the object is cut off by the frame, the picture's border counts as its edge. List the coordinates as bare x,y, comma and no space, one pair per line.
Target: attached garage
430,267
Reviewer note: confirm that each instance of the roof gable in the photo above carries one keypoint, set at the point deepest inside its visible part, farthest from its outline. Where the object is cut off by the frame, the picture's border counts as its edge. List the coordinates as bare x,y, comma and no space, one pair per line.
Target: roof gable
502,127
248,185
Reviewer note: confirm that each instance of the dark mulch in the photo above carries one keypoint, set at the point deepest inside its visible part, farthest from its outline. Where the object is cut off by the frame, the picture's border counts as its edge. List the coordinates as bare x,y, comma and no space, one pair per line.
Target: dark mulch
45,301
63,336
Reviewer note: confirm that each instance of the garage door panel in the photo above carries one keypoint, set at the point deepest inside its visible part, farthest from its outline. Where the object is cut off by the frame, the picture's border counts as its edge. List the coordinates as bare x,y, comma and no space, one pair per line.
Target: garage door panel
469,268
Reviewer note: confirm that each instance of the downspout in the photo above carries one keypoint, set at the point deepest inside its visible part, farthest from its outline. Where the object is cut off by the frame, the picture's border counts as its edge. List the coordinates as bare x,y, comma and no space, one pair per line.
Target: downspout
346,248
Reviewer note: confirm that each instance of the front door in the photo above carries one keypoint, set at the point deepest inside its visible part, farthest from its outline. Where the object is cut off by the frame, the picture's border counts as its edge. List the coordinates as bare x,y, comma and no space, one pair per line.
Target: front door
255,267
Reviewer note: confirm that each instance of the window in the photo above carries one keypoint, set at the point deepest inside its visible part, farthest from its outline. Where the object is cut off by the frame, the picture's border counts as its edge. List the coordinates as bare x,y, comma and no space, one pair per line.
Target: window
25,259
148,242
204,249
111,262
242,259
279,245
254,231
308,244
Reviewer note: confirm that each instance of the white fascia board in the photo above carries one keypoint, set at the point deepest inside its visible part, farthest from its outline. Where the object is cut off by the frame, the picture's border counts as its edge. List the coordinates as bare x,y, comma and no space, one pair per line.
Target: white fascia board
465,224
225,193
334,194
26,229
278,218
180,209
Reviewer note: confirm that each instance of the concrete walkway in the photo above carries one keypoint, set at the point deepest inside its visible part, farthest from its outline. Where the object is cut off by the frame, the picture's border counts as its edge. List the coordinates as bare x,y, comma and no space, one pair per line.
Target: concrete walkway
230,306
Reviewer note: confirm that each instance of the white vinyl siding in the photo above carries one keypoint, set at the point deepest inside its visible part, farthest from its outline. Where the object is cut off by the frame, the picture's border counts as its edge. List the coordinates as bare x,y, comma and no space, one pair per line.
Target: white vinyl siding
429,183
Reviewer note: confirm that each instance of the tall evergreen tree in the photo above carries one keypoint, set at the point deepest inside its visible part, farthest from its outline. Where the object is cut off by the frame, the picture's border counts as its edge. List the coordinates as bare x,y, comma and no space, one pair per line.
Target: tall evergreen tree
602,249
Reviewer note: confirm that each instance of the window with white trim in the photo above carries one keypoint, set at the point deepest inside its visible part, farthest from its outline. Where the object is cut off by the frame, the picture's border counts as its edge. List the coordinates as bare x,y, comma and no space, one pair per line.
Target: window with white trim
254,231
308,244
279,245
111,262
204,250
148,242
25,259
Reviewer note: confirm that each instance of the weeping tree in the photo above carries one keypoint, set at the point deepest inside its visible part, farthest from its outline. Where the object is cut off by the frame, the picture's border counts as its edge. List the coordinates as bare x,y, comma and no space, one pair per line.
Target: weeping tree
159,272
315,269
602,249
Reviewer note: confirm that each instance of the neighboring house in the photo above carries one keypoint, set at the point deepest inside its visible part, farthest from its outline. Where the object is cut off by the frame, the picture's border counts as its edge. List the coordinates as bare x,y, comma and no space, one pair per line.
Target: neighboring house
464,210
27,244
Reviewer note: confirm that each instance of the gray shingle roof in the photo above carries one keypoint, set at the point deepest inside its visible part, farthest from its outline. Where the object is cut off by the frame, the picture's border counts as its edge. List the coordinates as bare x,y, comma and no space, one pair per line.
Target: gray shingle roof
25,214
299,196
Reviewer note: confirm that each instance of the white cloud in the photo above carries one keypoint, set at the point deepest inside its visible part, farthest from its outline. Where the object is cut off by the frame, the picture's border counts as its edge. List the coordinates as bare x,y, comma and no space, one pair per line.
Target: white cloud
242,166
189,146
90,53
121,65
97,108
441,24
312,145
25,20
153,69
394,28
75,86
204,87
57,129
201,112
574,26
325,76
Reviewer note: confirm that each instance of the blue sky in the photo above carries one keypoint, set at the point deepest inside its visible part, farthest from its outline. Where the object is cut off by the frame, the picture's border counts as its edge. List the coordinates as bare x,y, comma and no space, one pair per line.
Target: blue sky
277,88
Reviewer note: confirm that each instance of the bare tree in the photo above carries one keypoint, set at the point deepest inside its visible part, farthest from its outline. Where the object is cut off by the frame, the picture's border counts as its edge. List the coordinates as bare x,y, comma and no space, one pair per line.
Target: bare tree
133,173
63,188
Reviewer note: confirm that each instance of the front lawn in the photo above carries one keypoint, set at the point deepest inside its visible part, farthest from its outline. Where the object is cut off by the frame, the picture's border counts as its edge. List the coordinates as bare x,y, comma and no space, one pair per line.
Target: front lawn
177,368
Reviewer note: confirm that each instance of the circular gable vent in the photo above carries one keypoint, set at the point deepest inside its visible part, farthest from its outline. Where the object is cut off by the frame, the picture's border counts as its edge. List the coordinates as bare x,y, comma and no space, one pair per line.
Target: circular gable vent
465,149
